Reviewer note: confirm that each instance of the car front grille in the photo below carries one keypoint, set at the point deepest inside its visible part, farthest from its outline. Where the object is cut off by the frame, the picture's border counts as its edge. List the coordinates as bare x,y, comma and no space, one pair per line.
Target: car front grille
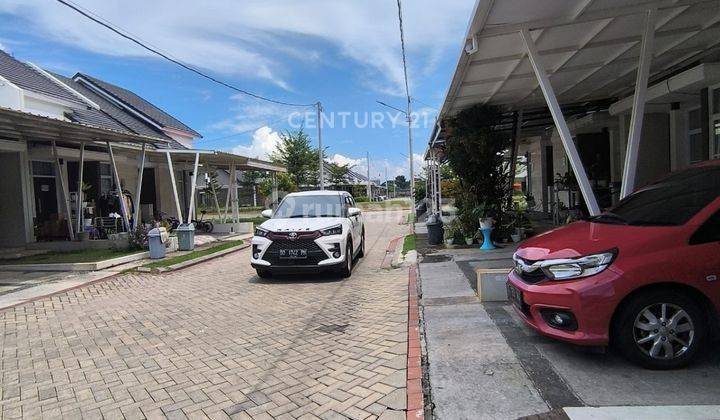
529,277
314,253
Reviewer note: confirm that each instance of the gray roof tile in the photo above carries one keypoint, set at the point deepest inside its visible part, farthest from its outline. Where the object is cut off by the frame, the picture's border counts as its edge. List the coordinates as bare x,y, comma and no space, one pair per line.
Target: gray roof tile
140,104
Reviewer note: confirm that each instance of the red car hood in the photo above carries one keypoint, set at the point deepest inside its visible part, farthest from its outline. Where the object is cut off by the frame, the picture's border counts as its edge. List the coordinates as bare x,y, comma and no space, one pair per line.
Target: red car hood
584,238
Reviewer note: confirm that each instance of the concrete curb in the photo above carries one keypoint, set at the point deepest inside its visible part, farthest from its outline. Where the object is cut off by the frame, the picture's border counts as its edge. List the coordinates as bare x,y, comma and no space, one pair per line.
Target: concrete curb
194,261
415,394
88,266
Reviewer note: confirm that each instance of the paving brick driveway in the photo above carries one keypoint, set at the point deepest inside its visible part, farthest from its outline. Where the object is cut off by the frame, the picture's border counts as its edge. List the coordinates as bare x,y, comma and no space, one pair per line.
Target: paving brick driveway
215,341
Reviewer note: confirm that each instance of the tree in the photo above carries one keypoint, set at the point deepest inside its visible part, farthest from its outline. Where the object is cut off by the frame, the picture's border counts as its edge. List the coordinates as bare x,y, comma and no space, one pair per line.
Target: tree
253,179
401,182
212,186
296,153
338,174
285,184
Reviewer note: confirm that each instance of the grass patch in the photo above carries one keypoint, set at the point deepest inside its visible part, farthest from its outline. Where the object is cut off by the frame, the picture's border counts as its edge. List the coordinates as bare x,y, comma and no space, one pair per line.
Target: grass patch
394,204
194,254
408,244
410,218
80,256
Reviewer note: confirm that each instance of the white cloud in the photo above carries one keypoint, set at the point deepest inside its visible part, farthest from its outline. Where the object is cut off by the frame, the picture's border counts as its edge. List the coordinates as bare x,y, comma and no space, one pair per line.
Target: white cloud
252,40
264,143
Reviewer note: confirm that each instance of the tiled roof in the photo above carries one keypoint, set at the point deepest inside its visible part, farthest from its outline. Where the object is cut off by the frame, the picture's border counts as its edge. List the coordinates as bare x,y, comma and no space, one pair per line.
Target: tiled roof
131,99
115,114
26,77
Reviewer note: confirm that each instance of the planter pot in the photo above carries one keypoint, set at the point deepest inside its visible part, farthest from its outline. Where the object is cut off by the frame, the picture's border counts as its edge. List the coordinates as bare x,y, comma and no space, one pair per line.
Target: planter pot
486,222
468,241
449,241
515,237
84,236
88,222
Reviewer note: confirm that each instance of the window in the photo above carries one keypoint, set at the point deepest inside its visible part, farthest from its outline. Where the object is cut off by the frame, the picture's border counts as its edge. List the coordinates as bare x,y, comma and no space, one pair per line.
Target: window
714,106
672,200
43,168
310,206
695,135
106,182
708,231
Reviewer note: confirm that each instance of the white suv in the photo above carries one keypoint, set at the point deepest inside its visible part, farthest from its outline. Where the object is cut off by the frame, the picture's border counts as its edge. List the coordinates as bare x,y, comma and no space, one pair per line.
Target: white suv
310,231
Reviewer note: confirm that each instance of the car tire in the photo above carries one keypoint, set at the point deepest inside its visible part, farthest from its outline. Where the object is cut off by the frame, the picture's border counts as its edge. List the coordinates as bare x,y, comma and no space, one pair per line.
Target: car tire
346,271
645,330
263,273
361,251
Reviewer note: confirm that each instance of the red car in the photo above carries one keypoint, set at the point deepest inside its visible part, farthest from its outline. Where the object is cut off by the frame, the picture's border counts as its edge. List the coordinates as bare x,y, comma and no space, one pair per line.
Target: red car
643,276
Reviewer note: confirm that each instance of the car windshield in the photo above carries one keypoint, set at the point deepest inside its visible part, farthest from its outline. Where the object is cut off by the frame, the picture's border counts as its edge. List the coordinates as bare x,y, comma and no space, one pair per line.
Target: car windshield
296,206
671,201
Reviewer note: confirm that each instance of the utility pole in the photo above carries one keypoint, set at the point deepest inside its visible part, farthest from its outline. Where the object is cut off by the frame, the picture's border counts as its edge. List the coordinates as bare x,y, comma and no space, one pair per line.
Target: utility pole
369,187
387,182
320,146
409,105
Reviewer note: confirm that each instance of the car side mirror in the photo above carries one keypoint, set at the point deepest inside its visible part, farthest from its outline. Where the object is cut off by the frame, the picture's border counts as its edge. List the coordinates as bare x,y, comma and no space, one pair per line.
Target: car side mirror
266,213
353,211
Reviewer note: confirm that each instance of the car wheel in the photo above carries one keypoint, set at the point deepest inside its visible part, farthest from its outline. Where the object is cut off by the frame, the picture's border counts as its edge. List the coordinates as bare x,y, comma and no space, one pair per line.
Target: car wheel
263,273
346,271
361,251
661,329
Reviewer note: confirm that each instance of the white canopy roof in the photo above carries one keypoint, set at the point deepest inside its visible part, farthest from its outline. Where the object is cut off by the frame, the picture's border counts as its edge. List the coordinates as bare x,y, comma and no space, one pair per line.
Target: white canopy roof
589,48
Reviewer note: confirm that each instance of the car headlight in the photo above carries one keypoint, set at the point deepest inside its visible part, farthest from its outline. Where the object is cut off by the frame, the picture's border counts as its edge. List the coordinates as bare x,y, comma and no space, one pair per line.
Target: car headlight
261,232
332,230
575,268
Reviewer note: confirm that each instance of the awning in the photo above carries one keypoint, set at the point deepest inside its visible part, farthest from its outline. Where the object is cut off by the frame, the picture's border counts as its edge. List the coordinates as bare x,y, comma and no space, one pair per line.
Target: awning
590,49
18,125
220,160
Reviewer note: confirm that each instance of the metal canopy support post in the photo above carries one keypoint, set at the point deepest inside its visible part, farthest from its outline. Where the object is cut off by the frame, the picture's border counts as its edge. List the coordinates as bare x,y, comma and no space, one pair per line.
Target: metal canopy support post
235,202
369,188
227,195
560,124
138,190
123,204
64,190
80,197
174,187
193,184
275,196
321,152
638,111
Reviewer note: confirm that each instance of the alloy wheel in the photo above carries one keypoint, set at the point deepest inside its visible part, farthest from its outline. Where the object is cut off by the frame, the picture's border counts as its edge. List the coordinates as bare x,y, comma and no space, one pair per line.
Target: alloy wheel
663,331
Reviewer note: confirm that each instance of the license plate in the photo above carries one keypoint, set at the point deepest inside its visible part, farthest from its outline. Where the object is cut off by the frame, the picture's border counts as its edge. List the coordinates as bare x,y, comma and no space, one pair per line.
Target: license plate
293,254
515,296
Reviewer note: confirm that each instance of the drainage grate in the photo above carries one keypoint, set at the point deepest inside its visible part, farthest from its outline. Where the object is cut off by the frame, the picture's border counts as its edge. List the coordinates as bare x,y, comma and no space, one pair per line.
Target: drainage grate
436,258
331,328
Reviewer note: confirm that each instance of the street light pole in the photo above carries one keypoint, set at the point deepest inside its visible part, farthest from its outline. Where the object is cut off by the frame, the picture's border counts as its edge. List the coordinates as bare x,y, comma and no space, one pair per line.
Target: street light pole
410,148
320,146
369,187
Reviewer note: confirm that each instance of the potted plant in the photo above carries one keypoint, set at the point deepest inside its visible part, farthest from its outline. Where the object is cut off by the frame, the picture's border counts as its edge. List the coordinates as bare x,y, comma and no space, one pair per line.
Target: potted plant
483,212
450,230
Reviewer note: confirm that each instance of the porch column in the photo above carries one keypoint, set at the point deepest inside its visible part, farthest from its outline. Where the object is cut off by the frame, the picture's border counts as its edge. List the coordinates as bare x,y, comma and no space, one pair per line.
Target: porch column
235,202
79,190
174,187
28,196
513,154
64,191
123,206
138,190
638,111
193,184
560,123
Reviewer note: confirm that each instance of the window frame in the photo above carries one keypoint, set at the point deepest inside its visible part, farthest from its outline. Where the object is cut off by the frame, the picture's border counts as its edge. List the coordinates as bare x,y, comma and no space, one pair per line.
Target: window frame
713,152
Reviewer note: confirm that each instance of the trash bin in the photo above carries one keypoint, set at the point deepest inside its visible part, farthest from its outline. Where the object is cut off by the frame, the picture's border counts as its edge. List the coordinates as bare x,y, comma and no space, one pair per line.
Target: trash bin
156,241
435,230
420,209
186,237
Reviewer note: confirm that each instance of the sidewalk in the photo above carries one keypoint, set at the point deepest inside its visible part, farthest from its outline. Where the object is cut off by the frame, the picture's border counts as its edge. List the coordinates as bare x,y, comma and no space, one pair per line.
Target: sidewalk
484,362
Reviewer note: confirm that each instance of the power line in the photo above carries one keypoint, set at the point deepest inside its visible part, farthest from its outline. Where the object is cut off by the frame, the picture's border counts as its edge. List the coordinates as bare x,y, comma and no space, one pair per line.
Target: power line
156,51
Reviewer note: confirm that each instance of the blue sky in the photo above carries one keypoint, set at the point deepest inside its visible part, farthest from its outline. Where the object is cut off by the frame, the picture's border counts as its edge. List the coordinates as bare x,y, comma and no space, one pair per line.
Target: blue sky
343,53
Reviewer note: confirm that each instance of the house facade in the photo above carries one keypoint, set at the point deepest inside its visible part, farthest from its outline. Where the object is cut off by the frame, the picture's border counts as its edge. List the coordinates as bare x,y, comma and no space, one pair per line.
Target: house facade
600,97
80,155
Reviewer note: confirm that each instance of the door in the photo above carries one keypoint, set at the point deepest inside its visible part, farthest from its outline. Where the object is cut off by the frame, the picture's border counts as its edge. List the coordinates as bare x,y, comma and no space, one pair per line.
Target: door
355,222
45,198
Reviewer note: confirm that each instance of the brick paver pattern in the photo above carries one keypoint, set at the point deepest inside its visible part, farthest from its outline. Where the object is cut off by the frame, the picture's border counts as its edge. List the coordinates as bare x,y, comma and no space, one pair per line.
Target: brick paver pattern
215,341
